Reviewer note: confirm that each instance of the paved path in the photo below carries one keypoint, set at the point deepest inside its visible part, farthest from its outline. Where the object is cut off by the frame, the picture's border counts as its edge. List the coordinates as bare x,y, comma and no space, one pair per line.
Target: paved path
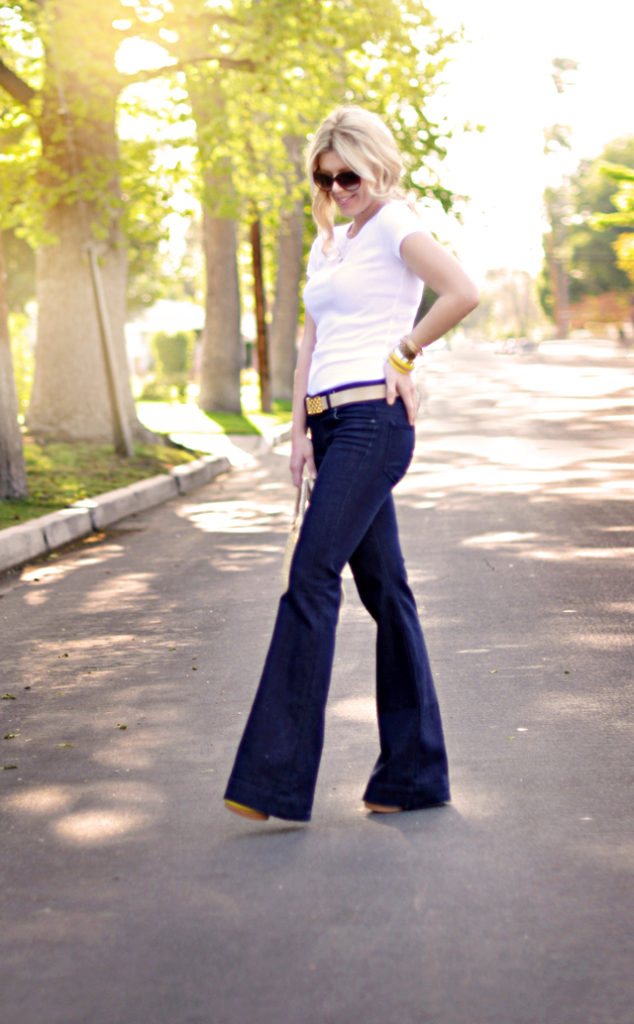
130,896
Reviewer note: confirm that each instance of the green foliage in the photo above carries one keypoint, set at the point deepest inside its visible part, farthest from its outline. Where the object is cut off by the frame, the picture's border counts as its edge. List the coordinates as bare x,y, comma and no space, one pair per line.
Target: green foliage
58,146
22,357
19,262
545,292
173,352
260,72
585,228
592,255
275,68
155,390
173,355
623,216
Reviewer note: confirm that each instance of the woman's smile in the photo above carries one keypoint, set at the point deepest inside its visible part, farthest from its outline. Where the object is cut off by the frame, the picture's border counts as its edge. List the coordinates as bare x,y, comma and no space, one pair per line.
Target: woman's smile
361,204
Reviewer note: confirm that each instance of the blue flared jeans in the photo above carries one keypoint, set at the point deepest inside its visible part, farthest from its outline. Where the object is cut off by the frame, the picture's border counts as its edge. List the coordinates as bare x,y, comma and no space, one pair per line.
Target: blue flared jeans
361,451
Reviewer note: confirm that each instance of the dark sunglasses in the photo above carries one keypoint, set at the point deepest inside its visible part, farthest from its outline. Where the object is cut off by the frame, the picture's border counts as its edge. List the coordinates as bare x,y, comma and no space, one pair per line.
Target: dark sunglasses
349,180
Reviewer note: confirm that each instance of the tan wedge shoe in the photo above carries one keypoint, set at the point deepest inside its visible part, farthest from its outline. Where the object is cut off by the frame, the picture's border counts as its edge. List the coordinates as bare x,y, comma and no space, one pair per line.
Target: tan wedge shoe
245,812
382,808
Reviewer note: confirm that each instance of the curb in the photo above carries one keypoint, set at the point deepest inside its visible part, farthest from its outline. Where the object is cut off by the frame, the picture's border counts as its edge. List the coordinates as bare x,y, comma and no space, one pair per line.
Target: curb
23,543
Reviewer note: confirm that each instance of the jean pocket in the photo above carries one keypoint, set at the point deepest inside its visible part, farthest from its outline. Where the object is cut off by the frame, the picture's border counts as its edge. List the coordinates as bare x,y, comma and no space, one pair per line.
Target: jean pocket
398,452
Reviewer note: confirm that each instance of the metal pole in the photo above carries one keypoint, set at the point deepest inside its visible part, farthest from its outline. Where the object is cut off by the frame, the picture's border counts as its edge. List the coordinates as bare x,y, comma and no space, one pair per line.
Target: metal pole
122,434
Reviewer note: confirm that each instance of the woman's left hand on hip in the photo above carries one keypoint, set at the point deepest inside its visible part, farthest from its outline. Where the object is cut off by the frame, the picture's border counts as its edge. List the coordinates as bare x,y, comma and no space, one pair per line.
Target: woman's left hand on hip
402,385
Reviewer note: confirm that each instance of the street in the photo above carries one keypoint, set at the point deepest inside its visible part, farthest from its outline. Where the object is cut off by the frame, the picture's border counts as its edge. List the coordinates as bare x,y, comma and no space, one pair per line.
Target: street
129,894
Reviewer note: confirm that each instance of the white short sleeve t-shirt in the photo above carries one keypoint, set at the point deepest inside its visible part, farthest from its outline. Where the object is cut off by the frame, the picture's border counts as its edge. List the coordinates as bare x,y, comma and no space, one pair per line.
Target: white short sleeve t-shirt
363,298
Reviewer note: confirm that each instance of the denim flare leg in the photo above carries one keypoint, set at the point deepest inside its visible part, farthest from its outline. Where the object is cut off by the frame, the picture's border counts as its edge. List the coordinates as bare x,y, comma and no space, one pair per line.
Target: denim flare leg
361,451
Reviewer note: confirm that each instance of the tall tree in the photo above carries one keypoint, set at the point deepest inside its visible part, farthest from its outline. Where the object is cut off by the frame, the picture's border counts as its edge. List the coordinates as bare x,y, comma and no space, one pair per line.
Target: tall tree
221,356
72,105
593,259
622,217
590,254
623,220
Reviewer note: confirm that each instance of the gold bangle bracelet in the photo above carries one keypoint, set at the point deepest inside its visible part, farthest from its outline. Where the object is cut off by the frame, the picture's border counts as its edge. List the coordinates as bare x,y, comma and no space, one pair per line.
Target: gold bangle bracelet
401,358
400,364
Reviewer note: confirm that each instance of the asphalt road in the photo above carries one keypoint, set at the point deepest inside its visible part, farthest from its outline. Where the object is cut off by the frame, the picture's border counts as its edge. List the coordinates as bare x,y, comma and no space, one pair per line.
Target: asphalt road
130,896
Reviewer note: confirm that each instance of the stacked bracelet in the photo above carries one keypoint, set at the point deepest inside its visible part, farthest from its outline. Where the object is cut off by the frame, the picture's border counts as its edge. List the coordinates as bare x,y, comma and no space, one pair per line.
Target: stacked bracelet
408,348
403,356
402,365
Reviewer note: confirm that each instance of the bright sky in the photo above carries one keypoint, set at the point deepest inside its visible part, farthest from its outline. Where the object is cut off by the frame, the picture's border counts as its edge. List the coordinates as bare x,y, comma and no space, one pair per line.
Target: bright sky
502,78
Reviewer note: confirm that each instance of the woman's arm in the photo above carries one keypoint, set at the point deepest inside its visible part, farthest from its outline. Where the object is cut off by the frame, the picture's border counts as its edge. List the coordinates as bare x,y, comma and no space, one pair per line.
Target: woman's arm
301,445
457,296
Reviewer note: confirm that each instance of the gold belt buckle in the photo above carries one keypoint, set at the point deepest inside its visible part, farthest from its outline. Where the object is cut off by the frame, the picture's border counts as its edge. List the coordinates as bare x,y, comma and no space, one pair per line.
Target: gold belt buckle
314,405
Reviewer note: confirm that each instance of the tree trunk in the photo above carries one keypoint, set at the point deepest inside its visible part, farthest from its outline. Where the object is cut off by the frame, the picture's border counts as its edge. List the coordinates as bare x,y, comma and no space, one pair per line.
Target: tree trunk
286,305
290,260
559,286
221,357
12,469
260,317
71,398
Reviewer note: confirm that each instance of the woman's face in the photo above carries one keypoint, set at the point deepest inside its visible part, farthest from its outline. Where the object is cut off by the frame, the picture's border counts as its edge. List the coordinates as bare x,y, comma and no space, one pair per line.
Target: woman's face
360,204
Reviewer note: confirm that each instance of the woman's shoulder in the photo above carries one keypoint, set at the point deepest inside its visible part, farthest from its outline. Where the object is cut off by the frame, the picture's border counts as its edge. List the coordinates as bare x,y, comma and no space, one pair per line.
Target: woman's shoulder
399,212
396,220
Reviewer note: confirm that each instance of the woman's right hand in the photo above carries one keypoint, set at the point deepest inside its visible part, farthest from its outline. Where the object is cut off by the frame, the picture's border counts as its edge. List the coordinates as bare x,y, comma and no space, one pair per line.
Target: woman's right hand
302,455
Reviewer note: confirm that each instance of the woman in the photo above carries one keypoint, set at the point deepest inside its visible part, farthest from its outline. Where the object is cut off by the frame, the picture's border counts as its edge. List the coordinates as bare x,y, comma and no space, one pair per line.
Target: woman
353,430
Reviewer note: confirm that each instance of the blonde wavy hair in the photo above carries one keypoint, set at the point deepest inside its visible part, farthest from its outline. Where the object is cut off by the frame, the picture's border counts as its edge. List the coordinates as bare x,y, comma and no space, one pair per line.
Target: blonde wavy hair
366,146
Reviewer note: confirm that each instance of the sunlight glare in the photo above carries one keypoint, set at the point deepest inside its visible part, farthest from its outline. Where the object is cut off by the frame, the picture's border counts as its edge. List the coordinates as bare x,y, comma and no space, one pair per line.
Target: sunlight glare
355,709
90,827
43,800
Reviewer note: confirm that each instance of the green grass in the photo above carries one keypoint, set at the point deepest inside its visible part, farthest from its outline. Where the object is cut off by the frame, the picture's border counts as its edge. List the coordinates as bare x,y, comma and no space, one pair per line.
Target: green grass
232,423
59,474
249,421
263,421
186,418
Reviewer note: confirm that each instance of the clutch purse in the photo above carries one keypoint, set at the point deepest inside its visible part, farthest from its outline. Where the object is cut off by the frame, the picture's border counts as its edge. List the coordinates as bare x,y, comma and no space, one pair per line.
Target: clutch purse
301,504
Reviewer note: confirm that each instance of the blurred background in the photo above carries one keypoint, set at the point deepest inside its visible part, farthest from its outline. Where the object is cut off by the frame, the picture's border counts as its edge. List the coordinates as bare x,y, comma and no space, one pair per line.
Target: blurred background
155,216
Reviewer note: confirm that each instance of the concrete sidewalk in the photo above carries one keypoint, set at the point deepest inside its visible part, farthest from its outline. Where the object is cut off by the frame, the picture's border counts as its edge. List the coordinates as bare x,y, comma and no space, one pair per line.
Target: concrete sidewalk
41,536
129,895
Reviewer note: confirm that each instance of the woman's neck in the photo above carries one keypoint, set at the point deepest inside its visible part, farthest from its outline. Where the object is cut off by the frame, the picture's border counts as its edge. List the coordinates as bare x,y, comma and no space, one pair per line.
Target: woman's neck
363,218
